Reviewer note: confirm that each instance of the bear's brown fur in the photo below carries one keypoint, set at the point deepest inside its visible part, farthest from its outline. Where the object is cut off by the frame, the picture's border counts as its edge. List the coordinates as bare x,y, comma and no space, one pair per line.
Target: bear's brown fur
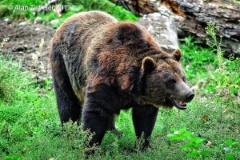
103,66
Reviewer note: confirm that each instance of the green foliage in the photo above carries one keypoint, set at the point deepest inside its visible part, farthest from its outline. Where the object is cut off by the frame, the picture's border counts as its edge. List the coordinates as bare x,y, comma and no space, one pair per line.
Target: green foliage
229,84
213,74
230,148
29,125
109,7
9,80
22,9
19,9
193,143
217,81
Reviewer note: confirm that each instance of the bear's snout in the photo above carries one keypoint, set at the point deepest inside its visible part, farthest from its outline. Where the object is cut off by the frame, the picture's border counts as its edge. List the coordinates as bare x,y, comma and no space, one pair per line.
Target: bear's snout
184,93
189,96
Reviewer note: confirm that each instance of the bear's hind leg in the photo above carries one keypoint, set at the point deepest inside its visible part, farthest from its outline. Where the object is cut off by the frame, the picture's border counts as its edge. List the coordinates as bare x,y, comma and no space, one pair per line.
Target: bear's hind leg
69,107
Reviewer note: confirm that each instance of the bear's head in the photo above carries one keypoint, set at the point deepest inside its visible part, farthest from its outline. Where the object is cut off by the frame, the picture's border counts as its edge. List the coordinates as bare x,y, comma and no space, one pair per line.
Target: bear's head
165,81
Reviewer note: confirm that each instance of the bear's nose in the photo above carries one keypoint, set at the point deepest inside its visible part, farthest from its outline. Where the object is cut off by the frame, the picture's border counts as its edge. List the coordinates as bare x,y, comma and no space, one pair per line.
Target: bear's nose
189,96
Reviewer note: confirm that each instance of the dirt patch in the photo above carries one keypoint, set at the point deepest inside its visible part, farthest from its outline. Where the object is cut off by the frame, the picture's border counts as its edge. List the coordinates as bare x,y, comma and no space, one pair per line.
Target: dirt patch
28,43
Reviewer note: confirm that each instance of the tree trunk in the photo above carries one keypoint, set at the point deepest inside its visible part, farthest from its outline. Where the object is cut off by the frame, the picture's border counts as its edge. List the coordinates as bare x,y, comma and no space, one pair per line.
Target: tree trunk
224,14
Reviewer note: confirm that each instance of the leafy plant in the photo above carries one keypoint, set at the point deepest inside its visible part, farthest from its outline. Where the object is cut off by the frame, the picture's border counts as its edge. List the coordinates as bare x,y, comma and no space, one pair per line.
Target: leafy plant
230,148
193,143
229,84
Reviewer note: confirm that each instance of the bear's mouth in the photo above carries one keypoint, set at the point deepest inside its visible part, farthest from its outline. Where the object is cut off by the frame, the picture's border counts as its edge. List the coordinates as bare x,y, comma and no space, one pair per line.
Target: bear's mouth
179,104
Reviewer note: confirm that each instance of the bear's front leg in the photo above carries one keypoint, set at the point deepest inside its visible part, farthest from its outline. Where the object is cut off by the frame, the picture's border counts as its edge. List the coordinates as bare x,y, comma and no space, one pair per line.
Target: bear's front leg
98,115
144,118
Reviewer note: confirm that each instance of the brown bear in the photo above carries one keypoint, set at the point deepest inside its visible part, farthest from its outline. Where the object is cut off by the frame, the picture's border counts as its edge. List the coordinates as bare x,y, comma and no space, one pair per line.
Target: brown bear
101,65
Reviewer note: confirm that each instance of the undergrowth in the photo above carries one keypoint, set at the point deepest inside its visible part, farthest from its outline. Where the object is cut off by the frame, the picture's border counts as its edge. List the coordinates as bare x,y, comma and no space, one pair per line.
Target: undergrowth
22,9
209,129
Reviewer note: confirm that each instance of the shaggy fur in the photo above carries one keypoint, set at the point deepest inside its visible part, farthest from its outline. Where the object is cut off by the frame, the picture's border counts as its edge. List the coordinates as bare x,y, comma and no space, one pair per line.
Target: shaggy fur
101,66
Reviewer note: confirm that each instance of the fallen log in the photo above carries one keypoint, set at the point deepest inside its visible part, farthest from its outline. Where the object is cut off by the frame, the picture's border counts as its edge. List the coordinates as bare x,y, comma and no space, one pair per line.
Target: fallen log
224,14
192,17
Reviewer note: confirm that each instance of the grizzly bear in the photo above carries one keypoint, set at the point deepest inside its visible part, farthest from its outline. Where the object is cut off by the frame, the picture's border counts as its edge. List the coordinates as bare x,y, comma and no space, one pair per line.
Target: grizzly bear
101,65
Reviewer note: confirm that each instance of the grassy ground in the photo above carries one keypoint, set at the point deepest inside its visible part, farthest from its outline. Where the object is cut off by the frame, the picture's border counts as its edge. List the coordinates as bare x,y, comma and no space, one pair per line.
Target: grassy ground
30,126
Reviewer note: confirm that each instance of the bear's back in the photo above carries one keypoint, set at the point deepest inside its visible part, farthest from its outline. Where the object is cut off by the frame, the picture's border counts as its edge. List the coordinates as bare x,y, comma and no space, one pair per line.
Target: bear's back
73,38
79,28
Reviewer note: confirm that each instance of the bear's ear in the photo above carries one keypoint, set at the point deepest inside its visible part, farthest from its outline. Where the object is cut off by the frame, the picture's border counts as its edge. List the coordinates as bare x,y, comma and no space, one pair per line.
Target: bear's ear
177,54
148,64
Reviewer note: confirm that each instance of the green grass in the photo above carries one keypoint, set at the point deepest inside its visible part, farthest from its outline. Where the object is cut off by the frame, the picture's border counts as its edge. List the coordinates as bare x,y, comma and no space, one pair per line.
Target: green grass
22,9
30,127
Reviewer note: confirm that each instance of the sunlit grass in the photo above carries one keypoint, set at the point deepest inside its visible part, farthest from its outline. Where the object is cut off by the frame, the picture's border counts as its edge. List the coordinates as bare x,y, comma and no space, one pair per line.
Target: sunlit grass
30,125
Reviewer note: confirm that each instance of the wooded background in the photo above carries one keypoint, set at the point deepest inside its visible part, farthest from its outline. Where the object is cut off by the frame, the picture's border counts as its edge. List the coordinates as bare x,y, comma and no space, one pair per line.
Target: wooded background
192,17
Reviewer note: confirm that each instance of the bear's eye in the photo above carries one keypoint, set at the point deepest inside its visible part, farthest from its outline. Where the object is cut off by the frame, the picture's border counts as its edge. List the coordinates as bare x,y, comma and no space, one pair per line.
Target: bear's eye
171,83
